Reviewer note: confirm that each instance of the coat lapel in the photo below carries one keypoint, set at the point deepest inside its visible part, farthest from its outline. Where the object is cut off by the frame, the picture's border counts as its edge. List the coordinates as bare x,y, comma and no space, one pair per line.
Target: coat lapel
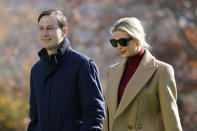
115,78
143,73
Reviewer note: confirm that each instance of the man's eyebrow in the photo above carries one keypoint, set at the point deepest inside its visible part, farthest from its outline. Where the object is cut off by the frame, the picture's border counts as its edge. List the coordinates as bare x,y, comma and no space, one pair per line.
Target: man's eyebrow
51,26
48,26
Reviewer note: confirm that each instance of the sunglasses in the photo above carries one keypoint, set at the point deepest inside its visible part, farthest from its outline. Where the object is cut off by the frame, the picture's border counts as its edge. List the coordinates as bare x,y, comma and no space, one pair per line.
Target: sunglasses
121,41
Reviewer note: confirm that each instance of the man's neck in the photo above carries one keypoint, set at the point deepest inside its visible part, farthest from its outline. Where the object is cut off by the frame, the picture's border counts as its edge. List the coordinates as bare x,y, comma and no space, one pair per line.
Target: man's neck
51,52
54,51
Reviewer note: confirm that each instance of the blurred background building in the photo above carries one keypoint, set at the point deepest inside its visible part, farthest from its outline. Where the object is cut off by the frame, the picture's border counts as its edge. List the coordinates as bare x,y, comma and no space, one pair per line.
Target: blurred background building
171,28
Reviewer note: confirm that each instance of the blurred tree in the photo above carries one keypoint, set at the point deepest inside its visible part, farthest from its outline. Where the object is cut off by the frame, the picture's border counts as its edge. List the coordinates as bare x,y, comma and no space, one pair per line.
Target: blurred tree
171,28
13,107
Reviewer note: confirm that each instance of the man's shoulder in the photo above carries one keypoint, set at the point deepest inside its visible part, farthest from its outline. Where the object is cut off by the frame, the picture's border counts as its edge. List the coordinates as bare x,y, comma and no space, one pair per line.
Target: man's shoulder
37,65
79,57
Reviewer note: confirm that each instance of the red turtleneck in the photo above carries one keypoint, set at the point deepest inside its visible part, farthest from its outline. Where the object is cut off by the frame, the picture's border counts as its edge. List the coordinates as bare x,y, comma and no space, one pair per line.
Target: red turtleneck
131,66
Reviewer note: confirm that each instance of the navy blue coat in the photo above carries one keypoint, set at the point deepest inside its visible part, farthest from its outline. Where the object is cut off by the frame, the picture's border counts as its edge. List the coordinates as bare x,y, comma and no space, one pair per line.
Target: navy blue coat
65,92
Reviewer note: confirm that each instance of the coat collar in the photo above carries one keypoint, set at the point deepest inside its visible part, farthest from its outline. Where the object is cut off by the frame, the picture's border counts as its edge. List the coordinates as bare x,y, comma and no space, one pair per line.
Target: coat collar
64,46
143,73
52,62
116,73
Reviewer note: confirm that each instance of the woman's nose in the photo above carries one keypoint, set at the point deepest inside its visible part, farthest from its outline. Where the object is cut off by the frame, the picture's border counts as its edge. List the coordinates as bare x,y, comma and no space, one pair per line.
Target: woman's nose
119,46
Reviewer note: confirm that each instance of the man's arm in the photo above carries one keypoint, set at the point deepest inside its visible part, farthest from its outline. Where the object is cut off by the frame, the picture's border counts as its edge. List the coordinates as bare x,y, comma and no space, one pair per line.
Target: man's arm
91,97
33,107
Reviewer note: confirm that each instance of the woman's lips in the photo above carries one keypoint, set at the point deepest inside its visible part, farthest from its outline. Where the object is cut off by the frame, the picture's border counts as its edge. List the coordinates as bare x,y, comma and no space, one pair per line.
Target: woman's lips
122,52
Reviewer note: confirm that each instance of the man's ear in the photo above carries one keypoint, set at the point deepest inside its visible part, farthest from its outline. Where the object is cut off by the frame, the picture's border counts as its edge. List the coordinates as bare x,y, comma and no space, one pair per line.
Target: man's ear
64,31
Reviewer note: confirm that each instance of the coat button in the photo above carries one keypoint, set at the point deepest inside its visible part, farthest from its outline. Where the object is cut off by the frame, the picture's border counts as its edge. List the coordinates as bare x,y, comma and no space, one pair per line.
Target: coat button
130,126
139,126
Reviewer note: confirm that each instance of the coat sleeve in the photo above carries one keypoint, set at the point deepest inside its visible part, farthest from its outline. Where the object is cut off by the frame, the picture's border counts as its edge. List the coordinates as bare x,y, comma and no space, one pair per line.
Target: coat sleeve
168,97
33,108
106,121
91,97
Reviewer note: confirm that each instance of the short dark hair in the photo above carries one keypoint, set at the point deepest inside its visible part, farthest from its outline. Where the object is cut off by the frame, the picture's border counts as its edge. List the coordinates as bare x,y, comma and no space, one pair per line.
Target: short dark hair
61,19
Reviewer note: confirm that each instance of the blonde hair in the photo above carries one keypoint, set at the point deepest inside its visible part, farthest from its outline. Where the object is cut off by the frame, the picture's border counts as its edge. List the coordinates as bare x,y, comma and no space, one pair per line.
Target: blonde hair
133,27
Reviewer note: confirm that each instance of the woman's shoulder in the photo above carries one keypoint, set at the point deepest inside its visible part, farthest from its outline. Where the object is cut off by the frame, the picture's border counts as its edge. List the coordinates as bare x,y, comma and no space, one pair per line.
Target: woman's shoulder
163,65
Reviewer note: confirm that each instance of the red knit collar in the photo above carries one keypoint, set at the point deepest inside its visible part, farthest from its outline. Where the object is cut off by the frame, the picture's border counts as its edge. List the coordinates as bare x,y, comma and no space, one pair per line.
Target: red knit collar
136,58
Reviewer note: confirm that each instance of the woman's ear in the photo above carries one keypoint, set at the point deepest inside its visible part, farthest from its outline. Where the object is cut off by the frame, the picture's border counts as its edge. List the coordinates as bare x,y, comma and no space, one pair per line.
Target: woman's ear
137,42
64,31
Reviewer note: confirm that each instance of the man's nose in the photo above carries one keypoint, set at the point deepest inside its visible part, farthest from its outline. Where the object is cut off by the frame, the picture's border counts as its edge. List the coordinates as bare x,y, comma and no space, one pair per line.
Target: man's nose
45,32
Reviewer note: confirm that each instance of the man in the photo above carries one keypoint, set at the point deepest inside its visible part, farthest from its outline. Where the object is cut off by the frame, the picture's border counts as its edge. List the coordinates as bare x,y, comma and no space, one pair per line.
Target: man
65,90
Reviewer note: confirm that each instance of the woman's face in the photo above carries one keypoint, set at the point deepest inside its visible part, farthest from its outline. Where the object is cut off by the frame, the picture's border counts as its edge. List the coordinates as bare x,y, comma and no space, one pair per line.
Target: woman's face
132,47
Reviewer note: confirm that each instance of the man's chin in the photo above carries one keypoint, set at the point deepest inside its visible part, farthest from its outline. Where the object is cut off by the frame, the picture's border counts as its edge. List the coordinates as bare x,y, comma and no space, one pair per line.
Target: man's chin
51,48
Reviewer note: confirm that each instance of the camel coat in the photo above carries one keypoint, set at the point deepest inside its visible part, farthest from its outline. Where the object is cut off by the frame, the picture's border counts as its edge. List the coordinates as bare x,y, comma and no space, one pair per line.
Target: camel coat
149,99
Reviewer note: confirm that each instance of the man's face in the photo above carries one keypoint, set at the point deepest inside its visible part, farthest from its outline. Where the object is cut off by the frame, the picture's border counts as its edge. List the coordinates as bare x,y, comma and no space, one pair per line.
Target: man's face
50,35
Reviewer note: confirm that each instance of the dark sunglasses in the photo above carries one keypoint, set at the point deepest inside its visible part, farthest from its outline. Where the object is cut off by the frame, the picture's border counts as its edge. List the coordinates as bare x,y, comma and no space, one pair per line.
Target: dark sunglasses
121,41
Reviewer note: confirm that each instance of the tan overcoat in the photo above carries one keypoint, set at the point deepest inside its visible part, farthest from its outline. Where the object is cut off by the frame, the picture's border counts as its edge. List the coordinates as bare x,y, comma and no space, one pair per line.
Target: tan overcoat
149,99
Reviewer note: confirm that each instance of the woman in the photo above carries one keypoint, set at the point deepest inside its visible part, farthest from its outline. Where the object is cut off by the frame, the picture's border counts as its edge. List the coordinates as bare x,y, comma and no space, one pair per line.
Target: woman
141,91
